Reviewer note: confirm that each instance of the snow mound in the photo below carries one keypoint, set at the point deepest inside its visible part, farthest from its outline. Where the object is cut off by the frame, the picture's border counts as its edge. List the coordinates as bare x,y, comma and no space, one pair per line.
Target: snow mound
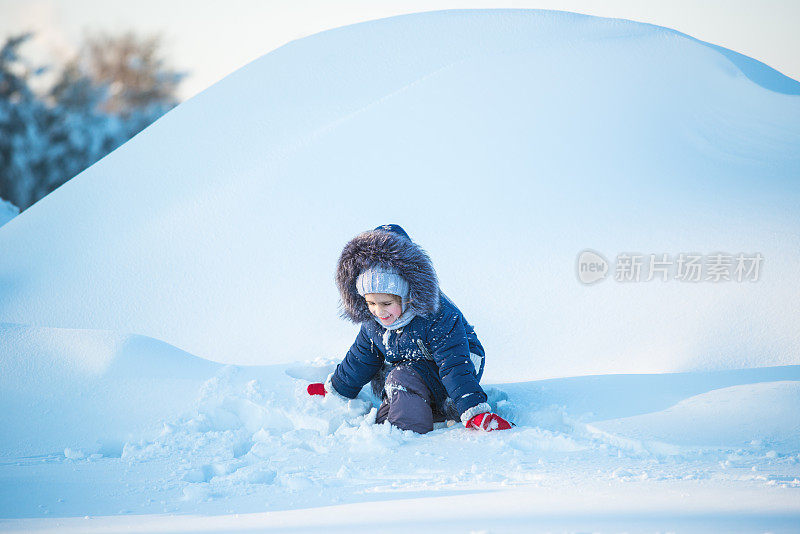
763,416
506,141
88,392
127,424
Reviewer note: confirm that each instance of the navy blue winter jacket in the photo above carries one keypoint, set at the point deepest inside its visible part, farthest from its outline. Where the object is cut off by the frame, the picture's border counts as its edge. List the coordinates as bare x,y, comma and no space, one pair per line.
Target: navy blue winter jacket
438,343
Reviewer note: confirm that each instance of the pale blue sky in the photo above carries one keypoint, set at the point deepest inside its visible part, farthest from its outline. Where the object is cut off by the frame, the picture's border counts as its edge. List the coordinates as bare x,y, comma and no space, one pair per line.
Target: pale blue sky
211,39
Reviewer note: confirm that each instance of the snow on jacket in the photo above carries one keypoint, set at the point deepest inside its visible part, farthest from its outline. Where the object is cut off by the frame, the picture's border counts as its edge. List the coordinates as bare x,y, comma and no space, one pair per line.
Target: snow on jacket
438,343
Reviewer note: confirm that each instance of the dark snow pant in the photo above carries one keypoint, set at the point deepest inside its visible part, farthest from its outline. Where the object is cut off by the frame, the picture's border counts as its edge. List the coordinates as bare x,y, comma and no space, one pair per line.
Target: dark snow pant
406,401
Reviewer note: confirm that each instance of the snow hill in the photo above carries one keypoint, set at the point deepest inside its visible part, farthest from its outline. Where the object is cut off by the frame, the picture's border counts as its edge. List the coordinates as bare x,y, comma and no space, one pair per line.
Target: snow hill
136,299
504,141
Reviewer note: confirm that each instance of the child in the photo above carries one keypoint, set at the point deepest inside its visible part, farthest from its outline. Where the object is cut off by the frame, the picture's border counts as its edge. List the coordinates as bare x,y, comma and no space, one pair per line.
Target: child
422,356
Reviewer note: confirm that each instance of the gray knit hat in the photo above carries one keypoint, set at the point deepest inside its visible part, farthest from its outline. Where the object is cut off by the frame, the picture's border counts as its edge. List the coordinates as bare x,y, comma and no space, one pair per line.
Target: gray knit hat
379,279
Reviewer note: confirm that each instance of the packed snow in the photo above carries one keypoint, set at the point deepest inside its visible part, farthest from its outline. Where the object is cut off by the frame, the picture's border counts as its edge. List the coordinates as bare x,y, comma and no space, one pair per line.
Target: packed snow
162,314
117,425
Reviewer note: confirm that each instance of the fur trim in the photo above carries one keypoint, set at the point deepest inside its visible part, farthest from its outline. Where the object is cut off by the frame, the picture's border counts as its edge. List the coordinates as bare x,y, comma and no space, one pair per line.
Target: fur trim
332,390
391,250
475,410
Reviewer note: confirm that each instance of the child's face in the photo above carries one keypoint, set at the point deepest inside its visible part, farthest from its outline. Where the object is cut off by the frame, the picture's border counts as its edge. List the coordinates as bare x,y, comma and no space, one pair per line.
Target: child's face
388,308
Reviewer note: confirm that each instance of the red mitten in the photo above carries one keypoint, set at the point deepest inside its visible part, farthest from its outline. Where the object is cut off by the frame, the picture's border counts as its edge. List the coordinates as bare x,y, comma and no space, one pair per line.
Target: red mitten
488,421
317,388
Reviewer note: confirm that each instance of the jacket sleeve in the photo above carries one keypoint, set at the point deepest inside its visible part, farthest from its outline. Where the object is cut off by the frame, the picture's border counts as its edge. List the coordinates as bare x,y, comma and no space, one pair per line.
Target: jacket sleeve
450,349
360,364
475,346
477,354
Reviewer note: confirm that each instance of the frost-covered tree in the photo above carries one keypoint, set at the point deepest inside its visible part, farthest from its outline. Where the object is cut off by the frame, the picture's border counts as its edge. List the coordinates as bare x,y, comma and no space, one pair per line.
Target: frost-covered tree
117,87
44,141
7,211
81,133
23,122
131,68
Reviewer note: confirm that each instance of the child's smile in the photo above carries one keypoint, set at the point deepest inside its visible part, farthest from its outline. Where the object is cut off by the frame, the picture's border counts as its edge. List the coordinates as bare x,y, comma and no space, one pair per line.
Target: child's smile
388,308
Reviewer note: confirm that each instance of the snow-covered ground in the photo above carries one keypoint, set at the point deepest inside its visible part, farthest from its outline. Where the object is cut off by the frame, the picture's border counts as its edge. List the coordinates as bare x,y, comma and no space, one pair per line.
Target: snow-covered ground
162,313
107,426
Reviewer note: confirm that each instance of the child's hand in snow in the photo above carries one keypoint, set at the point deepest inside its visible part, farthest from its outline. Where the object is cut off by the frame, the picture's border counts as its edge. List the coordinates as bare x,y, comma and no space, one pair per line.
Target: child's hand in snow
317,388
488,421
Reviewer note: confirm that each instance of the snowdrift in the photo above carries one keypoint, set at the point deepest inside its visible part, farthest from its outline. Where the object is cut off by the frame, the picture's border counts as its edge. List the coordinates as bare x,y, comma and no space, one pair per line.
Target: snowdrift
96,423
91,392
88,392
504,141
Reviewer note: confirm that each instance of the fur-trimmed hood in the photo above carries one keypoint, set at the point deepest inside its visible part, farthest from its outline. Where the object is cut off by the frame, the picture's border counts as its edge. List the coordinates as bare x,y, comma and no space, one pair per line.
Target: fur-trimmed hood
390,246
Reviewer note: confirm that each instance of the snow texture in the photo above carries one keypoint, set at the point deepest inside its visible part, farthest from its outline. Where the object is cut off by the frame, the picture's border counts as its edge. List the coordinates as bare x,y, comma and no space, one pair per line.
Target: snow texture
505,142
97,424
